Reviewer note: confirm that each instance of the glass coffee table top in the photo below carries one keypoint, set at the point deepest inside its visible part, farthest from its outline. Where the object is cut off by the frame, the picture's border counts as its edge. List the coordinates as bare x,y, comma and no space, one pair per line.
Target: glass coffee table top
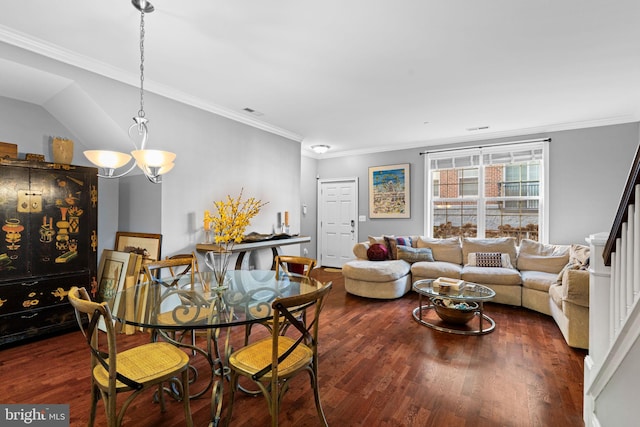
466,292
456,307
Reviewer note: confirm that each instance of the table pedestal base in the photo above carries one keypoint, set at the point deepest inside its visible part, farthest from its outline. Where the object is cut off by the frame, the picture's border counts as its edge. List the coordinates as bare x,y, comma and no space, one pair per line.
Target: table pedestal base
419,314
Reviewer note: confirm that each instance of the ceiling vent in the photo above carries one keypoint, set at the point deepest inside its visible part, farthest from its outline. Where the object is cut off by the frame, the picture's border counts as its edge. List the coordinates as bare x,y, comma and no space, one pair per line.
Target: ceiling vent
252,111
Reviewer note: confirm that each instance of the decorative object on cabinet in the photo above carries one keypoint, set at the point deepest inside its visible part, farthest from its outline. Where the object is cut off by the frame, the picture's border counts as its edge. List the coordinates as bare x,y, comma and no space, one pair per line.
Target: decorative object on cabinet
43,252
62,150
154,163
34,157
8,150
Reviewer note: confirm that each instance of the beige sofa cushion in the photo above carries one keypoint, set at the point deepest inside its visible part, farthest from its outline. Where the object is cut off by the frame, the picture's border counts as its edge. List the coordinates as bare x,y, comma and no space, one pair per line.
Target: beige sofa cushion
555,293
375,271
435,269
491,275
447,250
505,245
538,280
540,257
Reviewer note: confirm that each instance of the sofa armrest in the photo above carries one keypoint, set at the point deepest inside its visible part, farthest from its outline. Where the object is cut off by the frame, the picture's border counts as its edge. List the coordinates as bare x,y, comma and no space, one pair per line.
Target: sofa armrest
360,250
575,287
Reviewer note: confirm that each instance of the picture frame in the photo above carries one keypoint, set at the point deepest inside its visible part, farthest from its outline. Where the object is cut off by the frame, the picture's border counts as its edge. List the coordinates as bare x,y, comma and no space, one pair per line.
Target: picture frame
148,245
112,273
116,271
389,191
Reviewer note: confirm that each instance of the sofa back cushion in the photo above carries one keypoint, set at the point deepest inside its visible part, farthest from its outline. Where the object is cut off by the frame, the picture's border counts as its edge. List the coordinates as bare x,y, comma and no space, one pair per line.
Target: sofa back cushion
505,245
448,250
536,256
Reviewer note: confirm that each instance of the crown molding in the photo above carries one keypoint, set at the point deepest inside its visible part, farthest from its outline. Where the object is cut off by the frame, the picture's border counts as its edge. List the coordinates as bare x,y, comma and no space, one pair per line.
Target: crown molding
476,137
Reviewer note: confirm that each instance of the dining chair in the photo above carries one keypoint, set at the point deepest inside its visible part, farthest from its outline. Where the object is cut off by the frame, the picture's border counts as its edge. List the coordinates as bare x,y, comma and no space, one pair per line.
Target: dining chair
194,269
115,372
180,272
271,362
286,265
169,272
294,264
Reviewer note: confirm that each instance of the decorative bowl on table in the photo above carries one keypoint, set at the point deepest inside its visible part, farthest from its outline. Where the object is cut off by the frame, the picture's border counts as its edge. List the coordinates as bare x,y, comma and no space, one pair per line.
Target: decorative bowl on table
457,313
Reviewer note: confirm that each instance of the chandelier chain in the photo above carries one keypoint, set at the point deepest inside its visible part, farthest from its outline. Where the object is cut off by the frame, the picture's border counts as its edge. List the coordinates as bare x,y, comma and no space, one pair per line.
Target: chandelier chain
141,112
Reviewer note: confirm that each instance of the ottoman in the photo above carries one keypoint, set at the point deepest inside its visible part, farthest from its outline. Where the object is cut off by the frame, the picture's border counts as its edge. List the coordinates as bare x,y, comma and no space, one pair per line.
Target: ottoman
377,279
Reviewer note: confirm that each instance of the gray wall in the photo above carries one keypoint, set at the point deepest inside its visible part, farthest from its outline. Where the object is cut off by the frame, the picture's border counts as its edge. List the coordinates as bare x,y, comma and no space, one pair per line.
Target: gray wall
587,173
216,156
309,197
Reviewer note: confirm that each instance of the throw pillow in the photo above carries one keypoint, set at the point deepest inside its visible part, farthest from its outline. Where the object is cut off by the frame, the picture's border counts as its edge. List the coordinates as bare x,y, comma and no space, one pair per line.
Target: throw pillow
377,252
503,245
412,255
489,259
392,242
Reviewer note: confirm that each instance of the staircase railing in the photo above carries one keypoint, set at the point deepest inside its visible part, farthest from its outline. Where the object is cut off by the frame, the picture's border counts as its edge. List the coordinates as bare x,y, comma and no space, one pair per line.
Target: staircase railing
614,312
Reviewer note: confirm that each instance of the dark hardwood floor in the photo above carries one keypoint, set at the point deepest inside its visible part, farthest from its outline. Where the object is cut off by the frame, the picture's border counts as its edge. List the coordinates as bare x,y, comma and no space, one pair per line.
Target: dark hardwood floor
378,367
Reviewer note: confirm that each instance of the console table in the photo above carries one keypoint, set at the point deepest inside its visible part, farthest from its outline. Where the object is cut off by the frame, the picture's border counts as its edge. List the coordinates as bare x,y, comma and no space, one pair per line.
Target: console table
243,248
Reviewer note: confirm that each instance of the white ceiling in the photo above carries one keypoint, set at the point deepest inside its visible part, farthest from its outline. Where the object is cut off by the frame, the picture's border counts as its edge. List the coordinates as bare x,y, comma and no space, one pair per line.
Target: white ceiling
358,75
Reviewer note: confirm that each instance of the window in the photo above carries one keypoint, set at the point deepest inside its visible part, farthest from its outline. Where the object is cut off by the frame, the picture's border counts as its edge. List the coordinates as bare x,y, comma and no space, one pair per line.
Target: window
486,192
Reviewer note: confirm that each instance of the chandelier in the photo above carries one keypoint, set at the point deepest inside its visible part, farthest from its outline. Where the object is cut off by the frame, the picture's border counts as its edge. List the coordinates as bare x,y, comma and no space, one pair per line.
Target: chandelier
153,163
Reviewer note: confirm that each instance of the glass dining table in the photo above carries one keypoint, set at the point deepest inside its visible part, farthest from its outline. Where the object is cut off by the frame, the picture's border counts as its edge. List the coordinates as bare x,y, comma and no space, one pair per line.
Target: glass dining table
176,309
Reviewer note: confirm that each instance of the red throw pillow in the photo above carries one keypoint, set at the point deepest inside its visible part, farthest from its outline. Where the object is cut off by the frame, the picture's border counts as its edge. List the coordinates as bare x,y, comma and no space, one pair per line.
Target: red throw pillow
377,252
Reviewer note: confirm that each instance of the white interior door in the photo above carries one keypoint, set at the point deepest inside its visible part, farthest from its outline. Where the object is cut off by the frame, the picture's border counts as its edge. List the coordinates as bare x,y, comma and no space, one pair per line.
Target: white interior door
338,221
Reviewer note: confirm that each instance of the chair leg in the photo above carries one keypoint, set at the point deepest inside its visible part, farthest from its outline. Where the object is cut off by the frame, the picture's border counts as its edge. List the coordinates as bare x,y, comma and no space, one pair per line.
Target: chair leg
274,403
112,413
161,397
185,398
95,396
313,373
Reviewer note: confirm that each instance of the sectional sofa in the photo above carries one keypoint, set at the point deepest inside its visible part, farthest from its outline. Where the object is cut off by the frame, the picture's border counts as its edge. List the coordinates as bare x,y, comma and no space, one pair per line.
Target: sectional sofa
550,279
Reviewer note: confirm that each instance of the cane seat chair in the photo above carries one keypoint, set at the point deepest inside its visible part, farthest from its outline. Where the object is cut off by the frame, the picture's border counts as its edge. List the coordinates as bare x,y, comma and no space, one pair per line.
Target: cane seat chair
271,362
179,273
194,270
134,370
286,265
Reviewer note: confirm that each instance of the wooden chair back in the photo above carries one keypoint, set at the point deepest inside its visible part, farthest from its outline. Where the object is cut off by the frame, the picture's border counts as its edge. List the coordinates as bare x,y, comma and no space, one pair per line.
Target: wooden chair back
288,264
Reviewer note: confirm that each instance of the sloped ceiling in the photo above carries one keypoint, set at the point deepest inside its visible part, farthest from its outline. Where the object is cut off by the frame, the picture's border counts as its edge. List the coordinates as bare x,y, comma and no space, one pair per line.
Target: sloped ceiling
360,76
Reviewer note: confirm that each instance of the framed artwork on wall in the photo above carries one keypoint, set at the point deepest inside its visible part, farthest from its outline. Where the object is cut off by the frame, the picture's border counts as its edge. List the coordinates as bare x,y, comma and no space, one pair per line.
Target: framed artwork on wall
389,191
146,244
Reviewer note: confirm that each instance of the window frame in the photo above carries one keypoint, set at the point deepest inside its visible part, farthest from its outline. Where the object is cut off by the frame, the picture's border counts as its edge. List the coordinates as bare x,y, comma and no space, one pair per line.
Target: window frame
476,154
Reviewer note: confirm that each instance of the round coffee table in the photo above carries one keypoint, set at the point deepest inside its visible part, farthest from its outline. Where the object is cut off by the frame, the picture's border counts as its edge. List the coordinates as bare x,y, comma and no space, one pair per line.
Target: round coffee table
472,295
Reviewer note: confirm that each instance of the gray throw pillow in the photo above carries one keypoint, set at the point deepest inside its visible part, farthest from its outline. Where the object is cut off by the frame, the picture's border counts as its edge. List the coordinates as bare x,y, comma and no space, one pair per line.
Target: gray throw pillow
412,255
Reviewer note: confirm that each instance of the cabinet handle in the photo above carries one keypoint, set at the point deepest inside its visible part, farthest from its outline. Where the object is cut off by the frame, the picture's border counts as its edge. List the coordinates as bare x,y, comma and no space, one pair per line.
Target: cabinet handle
30,284
29,316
